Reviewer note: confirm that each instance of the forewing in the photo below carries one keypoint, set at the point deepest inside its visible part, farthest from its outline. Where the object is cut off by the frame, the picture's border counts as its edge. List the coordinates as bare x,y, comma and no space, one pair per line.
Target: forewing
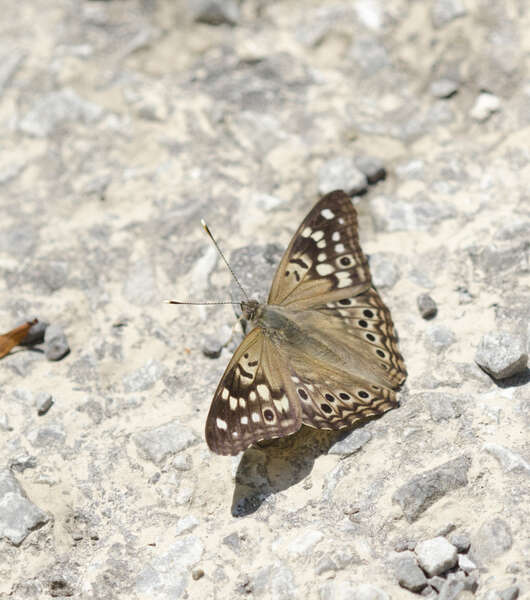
324,258
252,402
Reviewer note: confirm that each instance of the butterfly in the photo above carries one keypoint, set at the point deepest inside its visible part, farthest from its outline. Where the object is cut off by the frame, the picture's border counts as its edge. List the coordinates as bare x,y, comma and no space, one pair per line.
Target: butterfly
322,351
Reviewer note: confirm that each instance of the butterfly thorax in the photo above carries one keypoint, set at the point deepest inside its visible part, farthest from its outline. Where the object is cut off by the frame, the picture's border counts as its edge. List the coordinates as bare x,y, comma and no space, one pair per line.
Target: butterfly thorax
251,310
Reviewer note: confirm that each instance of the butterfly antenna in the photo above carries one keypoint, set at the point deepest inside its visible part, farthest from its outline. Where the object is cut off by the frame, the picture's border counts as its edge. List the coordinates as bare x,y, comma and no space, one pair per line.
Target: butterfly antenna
205,227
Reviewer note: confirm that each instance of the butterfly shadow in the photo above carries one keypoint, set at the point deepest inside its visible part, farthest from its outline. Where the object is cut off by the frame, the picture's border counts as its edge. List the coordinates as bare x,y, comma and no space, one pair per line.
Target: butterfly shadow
276,465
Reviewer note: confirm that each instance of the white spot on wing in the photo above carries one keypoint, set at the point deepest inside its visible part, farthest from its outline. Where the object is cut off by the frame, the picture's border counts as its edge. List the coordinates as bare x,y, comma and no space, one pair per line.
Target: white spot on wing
306,232
255,417
339,248
336,236
225,393
317,236
327,214
242,402
264,392
220,423
321,244
244,420
233,402
252,396
324,269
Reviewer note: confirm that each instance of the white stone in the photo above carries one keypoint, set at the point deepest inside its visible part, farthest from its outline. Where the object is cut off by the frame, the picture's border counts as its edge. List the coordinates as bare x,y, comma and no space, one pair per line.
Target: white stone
436,555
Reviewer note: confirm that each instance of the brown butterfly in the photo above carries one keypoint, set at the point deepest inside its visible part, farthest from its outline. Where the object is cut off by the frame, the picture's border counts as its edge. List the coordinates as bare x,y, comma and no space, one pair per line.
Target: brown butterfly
323,350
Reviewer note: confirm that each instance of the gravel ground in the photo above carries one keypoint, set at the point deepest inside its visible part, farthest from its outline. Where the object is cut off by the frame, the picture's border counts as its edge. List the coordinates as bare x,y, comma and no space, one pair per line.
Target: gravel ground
124,122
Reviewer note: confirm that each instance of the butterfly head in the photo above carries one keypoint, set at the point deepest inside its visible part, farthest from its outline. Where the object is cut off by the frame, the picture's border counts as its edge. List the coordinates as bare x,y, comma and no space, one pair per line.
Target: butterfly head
251,309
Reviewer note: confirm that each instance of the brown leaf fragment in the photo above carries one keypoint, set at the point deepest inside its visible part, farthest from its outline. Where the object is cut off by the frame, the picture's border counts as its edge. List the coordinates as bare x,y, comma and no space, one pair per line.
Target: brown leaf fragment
13,338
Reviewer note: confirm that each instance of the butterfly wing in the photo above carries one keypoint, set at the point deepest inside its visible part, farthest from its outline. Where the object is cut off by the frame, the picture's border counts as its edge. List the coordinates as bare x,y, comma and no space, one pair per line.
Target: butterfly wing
252,401
324,260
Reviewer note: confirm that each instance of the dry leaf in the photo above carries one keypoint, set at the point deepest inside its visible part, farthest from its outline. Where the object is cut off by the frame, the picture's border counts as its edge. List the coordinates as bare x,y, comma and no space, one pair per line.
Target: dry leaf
14,337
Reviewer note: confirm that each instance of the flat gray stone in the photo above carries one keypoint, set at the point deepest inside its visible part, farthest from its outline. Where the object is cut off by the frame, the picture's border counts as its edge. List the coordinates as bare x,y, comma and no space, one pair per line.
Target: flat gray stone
18,515
341,173
384,269
442,406
460,541
436,556
444,88
275,581
408,573
420,214
466,564
445,11
502,354
426,306
50,435
423,490
165,577
43,402
159,443
509,460
492,540
145,377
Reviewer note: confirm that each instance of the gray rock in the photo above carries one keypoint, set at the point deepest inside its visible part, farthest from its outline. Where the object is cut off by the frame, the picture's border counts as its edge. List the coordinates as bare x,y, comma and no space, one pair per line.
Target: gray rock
35,334
412,169
145,377
384,269
351,443
372,167
436,582
56,109
460,541
408,574
492,540
56,342
445,11
10,168
212,346
426,306
466,564
444,88
275,581
159,443
502,354
455,587
166,576
43,402
436,556
22,461
509,593
18,515
340,173
439,337
325,564
186,524
51,435
425,489
509,460
485,105
442,406
214,12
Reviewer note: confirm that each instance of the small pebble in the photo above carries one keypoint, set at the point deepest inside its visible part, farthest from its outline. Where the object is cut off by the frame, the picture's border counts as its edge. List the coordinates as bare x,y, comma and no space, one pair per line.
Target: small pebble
460,541
485,105
43,402
35,334
56,343
466,564
436,555
408,573
444,88
197,573
372,167
426,306
212,346
502,354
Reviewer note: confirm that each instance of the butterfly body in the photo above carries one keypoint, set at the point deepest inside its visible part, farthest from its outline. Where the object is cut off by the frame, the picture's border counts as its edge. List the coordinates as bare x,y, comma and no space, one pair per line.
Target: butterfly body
322,351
